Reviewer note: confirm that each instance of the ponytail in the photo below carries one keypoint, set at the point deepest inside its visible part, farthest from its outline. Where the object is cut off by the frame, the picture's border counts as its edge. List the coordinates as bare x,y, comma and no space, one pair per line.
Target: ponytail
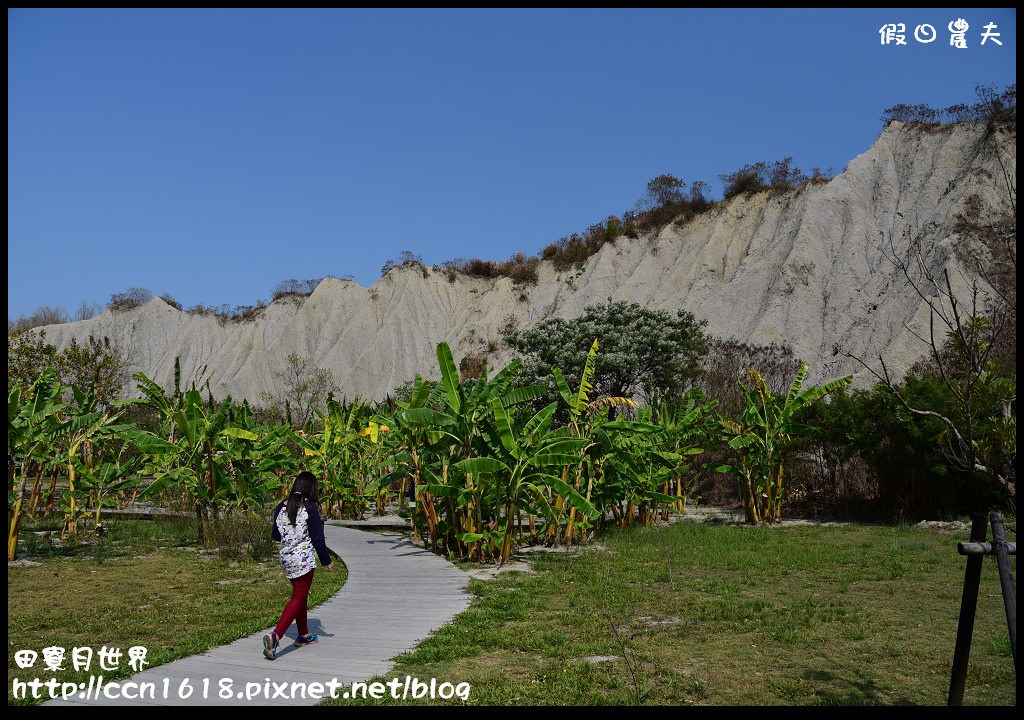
304,488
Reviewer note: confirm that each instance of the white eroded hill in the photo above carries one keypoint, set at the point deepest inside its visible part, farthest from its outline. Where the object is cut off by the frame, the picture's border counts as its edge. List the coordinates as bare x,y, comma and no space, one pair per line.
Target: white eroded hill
805,267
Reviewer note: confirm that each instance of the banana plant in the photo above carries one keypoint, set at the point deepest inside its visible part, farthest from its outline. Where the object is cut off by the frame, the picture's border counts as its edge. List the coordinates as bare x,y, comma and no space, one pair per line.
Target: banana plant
468,408
416,435
76,433
197,455
30,419
522,462
761,436
642,462
255,455
337,454
683,429
585,418
437,430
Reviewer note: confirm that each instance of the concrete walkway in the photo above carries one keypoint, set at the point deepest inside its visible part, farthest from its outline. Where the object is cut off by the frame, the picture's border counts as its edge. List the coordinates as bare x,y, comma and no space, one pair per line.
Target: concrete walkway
396,595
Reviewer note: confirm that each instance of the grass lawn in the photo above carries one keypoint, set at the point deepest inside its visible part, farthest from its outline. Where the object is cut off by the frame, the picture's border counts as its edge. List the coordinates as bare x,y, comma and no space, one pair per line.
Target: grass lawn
146,583
727,615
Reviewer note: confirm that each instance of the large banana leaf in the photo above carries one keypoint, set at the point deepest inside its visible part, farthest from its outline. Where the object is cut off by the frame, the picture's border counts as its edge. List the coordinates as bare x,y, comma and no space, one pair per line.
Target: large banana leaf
449,376
539,423
481,464
586,382
519,395
572,496
504,428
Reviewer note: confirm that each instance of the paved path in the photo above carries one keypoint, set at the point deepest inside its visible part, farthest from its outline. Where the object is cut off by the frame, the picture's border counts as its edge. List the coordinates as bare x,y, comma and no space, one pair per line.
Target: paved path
396,595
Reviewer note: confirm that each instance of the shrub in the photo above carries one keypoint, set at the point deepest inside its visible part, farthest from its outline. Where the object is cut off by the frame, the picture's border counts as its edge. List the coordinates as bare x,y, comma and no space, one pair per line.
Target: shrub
200,309
241,534
785,175
293,288
522,270
910,478
481,268
167,298
821,176
406,257
245,313
665,190
992,106
130,298
630,228
471,366
43,315
748,179
727,361
87,310
572,252
779,175
666,201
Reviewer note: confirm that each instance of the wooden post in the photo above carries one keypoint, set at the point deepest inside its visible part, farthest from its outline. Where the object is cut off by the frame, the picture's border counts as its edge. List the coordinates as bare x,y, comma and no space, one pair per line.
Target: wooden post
983,548
968,607
1006,580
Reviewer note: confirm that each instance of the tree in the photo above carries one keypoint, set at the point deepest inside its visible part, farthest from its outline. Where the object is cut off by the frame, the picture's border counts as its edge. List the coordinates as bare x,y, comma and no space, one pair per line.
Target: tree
699,194
663,191
43,315
727,362
749,178
303,387
779,175
87,310
962,336
643,352
100,361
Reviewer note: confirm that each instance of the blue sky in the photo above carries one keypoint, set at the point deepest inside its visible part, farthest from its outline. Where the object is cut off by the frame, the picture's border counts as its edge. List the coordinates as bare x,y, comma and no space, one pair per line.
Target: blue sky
213,153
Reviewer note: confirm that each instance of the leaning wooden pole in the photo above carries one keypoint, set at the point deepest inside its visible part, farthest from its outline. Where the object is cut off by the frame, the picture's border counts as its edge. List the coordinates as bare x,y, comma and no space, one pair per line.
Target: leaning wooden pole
968,607
1002,552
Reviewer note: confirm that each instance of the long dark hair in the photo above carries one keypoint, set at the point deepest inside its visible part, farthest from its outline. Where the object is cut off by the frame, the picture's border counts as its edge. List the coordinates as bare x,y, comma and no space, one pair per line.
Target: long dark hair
304,488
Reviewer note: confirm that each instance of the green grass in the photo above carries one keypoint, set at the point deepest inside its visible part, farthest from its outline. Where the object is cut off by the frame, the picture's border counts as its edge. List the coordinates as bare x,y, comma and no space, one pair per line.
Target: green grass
144,583
728,615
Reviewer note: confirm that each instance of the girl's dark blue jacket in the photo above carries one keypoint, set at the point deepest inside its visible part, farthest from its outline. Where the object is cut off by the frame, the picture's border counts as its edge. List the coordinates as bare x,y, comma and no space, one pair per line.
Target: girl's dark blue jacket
315,524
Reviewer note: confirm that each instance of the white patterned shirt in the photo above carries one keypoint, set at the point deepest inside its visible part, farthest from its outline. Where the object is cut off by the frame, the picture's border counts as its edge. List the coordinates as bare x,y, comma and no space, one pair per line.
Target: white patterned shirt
301,543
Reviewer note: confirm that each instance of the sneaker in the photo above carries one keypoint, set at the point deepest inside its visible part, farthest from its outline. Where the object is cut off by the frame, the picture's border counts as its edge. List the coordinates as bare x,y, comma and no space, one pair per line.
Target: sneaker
270,643
303,640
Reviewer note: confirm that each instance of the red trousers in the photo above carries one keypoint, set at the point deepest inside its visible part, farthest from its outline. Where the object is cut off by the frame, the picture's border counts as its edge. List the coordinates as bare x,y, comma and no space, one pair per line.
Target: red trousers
296,607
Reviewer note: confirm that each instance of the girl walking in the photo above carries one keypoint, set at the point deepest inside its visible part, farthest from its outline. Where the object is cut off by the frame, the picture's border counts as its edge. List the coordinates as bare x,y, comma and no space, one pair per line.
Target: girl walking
299,529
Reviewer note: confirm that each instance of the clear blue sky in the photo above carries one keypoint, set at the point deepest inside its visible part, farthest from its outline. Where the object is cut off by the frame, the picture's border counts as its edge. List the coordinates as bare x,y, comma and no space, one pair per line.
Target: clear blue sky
213,153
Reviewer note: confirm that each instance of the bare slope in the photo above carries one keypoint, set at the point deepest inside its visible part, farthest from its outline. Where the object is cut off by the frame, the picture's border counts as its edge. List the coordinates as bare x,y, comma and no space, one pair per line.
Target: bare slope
805,267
